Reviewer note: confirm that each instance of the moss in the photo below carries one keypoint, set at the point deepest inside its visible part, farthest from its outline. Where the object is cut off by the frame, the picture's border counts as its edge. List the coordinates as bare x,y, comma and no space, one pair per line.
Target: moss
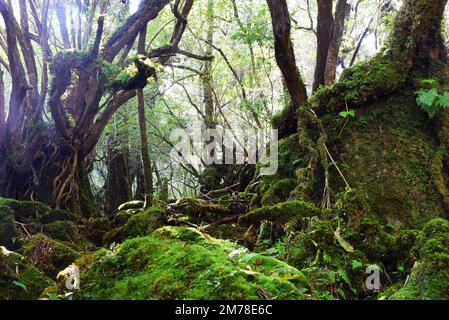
48,255
390,171
377,244
19,280
8,232
59,215
200,210
122,217
138,225
231,232
25,211
364,83
326,264
35,214
429,277
182,263
135,75
210,178
94,230
289,159
67,232
286,122
282,212
131,205
404,243
353,205
278,192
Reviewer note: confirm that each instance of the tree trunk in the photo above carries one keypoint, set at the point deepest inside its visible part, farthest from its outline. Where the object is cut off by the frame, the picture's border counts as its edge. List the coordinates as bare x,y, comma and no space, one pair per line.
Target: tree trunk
144,148
325,28
337,37
285,55
285,58
118,188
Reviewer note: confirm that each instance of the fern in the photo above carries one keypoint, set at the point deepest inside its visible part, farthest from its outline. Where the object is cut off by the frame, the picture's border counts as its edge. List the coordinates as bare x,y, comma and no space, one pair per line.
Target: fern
430,100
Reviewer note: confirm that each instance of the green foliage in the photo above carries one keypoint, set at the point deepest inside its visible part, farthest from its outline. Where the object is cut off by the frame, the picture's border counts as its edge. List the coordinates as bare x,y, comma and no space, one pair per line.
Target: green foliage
256,30
18,279
346,114
430,100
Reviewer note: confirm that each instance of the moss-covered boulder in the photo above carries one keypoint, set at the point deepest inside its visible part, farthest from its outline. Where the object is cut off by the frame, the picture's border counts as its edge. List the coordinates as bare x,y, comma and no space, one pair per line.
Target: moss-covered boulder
183,263
429,279
200,210
18,279
8,232
137,225
67,232
94,230
131,205
33,215
282,213
48,255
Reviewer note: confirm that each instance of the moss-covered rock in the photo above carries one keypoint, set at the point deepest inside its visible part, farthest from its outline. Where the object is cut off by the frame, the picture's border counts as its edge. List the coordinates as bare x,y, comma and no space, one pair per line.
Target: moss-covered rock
183,263
19,280
8,232
381,160
131,205
199,210
48,255
281,213
28,212
429,278
35,214
67,232
138,225
94,229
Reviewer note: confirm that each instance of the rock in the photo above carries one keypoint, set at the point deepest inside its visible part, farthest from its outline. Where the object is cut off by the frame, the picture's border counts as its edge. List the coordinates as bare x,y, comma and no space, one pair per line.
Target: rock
8,232
131,205
137,225
18,279
48,255
429,279
184,263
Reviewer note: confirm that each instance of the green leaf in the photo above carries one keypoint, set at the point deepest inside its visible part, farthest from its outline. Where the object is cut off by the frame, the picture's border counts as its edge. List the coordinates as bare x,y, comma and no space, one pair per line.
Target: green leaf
429,82
443,101
356,264
20,285
343,243
426,98
332,276
346,114
344,276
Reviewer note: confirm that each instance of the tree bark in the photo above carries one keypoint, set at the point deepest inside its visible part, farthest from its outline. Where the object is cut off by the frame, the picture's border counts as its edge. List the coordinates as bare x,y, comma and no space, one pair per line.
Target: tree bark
144,148
118,188
285,55
285,58
325,28
337,37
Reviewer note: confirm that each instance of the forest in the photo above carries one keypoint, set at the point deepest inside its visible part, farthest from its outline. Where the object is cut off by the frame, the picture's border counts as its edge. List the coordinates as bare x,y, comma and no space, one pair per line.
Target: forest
224,150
